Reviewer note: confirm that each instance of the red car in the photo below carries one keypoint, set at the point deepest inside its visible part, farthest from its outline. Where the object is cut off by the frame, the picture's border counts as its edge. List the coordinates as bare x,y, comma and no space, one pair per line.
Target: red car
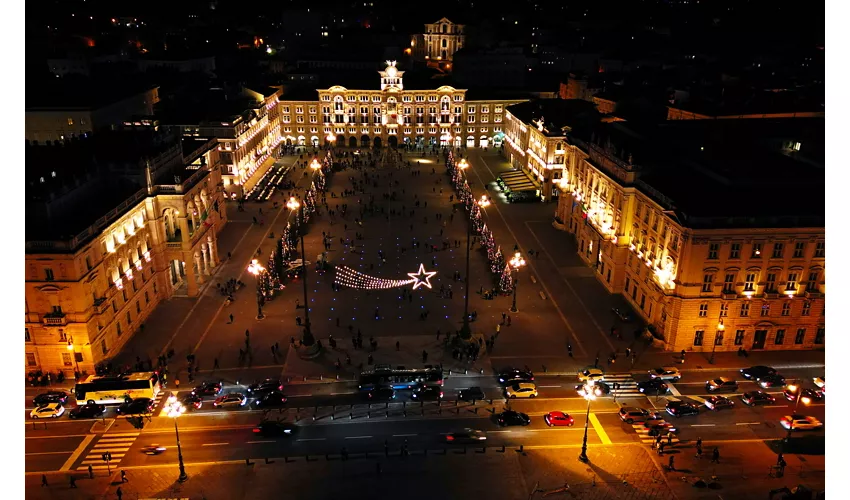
558,419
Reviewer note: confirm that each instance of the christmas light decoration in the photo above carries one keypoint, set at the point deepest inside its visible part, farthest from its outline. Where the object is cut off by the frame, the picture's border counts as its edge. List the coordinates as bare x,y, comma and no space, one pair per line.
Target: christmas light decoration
351,278
419,280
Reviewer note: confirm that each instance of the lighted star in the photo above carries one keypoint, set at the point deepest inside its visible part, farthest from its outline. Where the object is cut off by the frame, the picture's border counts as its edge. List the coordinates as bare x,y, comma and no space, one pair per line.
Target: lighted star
418,279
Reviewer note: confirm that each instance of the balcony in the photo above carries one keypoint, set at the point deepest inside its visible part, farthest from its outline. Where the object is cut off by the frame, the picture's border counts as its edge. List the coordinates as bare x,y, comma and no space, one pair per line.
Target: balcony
729,294
54,319
813,294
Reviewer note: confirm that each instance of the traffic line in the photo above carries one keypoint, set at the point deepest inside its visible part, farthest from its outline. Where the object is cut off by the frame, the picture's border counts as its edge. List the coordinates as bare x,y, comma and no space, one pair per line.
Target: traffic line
358,437
311,439
547,386
48,453
215,444
702,425
603,436
79,451
674,391
748,423
259,442
403,435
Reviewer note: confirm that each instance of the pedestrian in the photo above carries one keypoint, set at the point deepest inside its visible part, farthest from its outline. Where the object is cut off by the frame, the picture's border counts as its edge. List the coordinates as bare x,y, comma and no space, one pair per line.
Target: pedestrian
124,476
699,442
73,481
91,472
628,352
699,451
683,356
669,438
231,318
498,329
715,456
657,441
509,320
570,350
397,346
670,463
119,493
661,448
44,481
504,316
215,363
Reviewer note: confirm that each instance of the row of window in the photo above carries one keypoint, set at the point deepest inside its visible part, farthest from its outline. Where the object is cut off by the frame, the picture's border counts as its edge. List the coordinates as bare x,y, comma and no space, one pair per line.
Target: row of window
378,130
67,359
791,283
378,98
777,252
778,339
338,107
765,309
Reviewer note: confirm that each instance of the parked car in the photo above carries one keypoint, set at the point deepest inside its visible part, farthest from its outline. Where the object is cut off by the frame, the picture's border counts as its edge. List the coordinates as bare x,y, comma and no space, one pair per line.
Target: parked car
798,422
466,436
48,410
756,372
633,414
470,394
720,384
558,419
718,403
511,375
521,390
258,389
230,400
753,398
681,408
208,389
50,397
666,373
512,418
138,406
653,386
90,410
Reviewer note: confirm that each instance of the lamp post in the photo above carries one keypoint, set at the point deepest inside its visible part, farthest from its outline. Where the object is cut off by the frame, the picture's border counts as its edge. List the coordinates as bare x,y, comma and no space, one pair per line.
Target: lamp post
258,271
175,409
293,204
516,263
717,336
465,331
330,141
589,395
800,397
70,347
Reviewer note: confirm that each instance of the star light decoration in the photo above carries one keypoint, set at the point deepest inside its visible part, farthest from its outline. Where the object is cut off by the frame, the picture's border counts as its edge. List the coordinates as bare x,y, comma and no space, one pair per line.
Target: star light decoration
351,278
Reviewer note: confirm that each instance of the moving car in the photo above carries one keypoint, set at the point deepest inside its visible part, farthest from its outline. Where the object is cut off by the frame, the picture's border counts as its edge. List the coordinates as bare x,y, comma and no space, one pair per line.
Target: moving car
427,394
756,372
718,403
230,400
792,391
50,397
381,394
258,389
87,411
558,419
274,428
798,422
511,375
470,394
666,373
274,399
512,418
192,401
775,380
681,408
138,406
599,389
466,436
208,389
653,386
753,398
633,414
720,384
820,383
521,390
48,410
591,373
153,449
659,427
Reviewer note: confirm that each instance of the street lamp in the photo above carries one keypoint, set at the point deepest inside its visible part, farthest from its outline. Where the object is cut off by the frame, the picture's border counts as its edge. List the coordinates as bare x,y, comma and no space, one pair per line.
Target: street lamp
717,336
258,271
70,347
175,409
484,202
806,400
293,204
315,165
589,395
516,263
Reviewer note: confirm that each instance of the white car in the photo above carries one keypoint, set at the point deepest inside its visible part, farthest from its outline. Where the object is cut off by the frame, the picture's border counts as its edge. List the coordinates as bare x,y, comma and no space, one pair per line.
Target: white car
666,373
800,423
49,410
521,390
591,373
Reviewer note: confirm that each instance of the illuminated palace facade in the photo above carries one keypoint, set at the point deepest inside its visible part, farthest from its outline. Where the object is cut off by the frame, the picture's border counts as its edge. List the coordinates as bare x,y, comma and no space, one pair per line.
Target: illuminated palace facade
394,116
705,260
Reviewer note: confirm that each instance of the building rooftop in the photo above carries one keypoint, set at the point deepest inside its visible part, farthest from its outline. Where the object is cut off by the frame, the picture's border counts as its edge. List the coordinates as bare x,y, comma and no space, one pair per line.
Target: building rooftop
78,92
556,114
748,102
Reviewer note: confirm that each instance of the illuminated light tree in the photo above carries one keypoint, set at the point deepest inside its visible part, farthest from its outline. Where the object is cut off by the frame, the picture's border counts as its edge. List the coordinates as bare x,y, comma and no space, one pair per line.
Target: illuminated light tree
506,280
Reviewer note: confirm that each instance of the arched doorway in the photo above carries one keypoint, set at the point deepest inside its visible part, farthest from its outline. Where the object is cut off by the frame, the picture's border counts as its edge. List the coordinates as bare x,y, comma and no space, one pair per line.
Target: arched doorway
352,142
392,141
314,141
301,140
482,141
377,142
364,141
340,140
458,141
470,142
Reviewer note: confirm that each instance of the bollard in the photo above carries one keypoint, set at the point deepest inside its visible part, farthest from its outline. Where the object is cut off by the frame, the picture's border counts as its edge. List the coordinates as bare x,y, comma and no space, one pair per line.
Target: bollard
321,377
404,404
305,378
481,371
423,412
457,401
483,449
350,415
286,459
314,418
288,379
368,414
405,413
351,407
333,416
473,401
269,461
466,372
386,405
544,368
387,415
503,448
522,448
248,461
450,372
457,411
337,376
476,410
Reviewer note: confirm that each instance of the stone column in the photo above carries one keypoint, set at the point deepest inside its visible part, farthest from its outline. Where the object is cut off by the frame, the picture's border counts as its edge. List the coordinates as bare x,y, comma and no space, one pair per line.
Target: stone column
213,246
191,284
206,258
197,268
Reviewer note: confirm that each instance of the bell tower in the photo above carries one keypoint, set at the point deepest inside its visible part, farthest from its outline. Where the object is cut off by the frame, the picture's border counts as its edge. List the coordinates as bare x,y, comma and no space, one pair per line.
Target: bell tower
391,77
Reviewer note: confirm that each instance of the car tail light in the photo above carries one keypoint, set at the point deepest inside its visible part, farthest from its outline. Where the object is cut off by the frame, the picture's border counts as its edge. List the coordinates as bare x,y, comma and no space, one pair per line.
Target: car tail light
256,430
450,438
441,393
280,387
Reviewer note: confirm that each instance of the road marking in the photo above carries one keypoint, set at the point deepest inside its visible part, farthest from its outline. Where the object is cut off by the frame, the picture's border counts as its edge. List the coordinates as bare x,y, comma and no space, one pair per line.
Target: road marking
214,444
554,429
311,439
48,453
702,425
493,432
259,442
358,437
673,390
79,451
748,423
403,435
121,434
298,395
542,386
603,436
342,393
58,436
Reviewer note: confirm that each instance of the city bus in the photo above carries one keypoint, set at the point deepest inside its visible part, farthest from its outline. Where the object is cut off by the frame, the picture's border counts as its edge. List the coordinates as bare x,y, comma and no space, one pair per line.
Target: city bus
400,377
115,389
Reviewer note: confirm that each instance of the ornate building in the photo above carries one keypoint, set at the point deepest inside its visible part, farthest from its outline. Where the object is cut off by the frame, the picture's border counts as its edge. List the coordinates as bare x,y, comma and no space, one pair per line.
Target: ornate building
88,292
394,115
679,220
439,42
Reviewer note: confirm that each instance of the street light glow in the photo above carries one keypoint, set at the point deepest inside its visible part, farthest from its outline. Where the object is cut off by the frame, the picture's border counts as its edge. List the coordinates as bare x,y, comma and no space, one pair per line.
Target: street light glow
315,165
462,164
255,267
292,204
517,261
484,202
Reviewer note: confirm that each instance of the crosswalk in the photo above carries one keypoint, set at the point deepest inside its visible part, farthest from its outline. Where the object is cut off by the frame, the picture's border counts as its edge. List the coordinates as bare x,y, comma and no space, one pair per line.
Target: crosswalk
116,444
645,438
628,385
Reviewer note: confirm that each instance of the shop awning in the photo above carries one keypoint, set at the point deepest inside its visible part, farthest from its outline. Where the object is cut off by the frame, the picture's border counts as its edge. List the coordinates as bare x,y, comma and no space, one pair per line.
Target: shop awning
517,181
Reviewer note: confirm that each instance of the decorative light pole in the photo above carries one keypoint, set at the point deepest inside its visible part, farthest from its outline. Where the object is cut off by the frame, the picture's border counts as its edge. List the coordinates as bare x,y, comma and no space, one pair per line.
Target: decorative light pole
175,409
465,330
330,140
293,204
516,263
589,395
259,272
717,337
806,400
74,355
